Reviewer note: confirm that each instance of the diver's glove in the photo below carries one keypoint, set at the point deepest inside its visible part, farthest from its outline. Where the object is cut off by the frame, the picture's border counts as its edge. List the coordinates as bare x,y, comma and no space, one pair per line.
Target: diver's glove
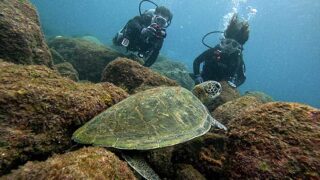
232,81
198,79
232,84
159,32
148,32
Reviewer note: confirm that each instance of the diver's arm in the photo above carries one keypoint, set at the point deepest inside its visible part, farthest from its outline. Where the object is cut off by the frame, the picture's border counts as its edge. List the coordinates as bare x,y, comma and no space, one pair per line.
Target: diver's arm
152,58
134,26
200,59
154,54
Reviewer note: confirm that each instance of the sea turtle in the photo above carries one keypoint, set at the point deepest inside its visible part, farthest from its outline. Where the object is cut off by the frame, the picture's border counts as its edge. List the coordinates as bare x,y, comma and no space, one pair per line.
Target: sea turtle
155,118
207,91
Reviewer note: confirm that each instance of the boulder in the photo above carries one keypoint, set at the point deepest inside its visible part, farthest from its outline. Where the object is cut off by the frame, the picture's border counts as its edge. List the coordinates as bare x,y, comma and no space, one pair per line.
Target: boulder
39,111
174,70
187,172
87,57
86,163
206,154
160,161
263,97
66,70
92,39
133,77
275,141
21,38
56,57
232,109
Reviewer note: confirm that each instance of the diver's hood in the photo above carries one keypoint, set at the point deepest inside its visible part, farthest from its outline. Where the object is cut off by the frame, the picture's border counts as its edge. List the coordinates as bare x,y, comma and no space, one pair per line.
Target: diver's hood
150,12
230,46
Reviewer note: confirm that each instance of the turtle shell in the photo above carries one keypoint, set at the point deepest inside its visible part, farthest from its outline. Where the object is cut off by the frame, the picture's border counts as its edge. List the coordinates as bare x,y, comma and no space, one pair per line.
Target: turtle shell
154,118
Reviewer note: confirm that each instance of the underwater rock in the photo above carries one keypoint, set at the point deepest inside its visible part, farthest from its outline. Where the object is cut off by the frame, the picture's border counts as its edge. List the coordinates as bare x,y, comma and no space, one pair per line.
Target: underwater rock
92,39
160,160
56,57
206,154
39,110
86,163
87,57
232,109
275,141
133,77
174,70
21,39
66,70
263,97
187,172
228,93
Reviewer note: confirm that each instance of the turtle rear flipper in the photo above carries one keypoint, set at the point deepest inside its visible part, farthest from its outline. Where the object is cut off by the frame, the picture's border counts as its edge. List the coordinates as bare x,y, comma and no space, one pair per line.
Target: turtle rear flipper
138,163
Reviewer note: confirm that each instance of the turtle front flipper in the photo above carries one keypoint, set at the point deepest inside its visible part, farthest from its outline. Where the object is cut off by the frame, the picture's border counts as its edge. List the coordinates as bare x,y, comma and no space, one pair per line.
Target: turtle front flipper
217,124
138,163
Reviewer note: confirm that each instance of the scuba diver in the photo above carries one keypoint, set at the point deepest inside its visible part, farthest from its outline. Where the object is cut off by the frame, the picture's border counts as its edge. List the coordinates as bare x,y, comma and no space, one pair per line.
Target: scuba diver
224,62
145,34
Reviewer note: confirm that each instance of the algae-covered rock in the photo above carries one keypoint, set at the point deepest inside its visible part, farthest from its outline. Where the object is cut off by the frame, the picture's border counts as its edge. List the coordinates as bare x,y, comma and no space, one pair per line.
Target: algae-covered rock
66,70
187,172
21,39
133,77
92,39
206,154
232,109
174,70
56,57
160,160
86,163
39,110
275,141
87,57
263,97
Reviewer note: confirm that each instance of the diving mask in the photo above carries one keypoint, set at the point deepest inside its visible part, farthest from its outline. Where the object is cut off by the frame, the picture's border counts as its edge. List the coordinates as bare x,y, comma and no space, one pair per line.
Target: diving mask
230,46
160,21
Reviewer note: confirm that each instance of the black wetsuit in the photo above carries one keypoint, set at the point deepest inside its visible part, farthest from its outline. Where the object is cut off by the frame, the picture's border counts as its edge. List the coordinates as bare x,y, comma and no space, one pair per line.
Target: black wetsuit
227,68
149,49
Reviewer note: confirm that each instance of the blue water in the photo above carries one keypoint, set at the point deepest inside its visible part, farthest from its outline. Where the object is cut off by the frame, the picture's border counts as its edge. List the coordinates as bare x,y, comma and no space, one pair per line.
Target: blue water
282,55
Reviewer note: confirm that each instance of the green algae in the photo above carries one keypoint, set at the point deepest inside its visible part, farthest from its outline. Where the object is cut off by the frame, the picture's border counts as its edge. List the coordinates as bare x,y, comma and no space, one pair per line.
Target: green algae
264,167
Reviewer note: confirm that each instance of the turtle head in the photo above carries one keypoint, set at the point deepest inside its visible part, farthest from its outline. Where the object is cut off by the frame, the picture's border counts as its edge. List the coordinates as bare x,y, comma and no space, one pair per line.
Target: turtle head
213,88
207,91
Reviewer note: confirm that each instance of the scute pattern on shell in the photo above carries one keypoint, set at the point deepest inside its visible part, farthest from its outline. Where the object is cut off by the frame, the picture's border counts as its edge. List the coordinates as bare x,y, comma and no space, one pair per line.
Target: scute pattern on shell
155,118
